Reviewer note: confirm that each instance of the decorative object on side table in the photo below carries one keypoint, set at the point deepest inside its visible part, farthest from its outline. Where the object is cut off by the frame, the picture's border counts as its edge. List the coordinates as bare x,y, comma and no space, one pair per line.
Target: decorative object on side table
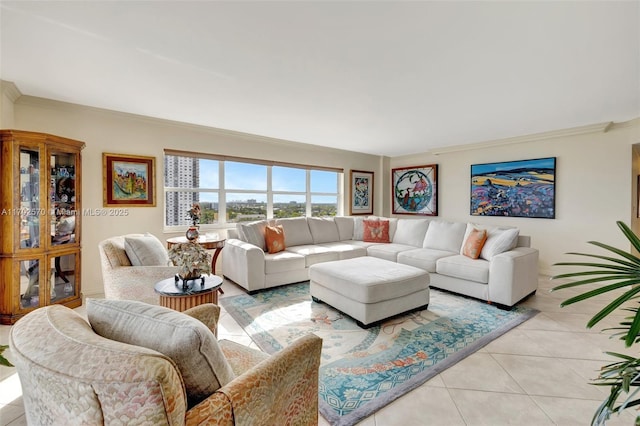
193,261
194,214
620,274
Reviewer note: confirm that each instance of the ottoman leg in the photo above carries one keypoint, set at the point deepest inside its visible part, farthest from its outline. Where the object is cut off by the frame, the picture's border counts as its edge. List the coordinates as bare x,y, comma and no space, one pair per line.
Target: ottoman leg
315,299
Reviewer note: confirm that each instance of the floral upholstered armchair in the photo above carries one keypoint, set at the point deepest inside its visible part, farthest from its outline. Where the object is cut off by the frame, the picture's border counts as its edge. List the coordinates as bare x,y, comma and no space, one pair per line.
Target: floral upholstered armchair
93,373
131,265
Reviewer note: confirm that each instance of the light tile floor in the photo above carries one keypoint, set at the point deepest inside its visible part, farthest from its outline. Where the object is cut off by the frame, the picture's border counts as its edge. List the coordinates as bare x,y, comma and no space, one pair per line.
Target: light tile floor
536,374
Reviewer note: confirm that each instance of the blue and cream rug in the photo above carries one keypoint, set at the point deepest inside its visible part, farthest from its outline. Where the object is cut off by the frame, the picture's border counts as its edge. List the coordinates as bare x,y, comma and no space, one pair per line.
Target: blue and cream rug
364,370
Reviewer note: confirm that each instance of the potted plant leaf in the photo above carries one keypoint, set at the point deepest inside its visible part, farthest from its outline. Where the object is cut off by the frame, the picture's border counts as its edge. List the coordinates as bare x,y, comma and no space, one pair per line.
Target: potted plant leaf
192,259
3,360
620,273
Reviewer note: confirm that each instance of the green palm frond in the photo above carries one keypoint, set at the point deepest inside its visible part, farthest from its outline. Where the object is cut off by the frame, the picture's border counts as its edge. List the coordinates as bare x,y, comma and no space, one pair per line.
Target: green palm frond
612,273
3,360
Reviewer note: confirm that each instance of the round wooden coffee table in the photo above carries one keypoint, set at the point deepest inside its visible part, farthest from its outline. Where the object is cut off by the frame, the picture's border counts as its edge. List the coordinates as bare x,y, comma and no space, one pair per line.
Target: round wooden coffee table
173,294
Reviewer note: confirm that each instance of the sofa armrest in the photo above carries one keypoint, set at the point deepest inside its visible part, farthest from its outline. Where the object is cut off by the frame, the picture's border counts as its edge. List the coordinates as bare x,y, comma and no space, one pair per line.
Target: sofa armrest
282,389
513,275
215,410
244,264
135,282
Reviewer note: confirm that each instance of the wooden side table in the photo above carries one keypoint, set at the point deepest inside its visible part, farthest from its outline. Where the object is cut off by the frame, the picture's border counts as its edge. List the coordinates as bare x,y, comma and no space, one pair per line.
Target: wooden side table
173,295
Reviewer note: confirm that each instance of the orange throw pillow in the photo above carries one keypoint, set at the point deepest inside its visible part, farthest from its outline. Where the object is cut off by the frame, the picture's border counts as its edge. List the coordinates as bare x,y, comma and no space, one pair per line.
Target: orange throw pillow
376,231
274,237
474,242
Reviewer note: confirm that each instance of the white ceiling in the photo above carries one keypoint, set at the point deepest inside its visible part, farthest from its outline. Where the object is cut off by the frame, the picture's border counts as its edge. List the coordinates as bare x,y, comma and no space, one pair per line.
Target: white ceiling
381,77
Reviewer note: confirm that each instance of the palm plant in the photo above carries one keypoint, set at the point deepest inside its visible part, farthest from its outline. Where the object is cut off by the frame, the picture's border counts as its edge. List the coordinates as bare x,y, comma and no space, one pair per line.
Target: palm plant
3,360
620,272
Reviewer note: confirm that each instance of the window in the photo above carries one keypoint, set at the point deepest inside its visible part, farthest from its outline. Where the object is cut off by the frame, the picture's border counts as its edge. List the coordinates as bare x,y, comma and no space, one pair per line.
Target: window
233,190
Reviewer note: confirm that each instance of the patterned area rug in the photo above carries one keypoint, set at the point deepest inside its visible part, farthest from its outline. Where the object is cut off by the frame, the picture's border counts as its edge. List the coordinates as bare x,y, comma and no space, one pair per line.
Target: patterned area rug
364,370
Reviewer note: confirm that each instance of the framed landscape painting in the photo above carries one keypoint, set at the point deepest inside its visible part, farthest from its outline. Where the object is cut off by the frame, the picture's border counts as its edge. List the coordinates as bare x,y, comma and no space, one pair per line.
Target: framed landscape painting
128,180
525,188
361,192
414,190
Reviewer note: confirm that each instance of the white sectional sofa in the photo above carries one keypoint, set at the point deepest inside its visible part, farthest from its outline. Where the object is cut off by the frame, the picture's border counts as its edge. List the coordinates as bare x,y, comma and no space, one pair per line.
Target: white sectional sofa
506,272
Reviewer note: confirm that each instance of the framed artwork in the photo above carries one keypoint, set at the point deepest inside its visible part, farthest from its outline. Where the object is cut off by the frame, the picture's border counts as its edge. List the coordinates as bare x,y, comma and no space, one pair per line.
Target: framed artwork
525,188
128,180
414,190
361,192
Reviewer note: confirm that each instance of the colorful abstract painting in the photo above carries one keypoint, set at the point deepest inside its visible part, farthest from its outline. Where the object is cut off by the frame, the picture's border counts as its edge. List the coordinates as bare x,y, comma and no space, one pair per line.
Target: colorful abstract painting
414,190
523,188
128,180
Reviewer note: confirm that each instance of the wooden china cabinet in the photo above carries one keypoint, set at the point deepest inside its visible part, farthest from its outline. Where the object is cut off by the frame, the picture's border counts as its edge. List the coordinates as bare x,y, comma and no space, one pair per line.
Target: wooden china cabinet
40,222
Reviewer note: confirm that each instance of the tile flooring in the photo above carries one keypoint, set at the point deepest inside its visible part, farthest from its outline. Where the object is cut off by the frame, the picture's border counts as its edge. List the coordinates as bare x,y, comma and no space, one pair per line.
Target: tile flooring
536,374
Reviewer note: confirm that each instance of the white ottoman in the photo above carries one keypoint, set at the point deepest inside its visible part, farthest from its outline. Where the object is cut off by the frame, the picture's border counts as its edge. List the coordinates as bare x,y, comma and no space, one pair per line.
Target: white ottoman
369,289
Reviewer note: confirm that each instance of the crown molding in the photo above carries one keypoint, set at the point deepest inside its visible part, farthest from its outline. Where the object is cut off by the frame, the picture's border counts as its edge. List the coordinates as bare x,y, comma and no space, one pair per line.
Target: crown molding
10,89
563,133
631,123
55,104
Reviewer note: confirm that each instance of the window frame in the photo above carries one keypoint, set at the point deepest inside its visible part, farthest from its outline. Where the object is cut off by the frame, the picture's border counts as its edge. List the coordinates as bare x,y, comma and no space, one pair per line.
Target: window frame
222,191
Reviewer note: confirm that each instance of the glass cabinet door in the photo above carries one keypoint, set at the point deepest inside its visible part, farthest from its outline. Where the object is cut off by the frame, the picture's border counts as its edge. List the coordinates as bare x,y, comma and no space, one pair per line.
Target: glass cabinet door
62,277
29,283
62,194
30,211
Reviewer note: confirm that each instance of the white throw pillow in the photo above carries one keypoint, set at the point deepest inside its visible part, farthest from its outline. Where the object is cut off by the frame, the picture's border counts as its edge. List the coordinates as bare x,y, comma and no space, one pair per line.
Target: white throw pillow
253,233
145,250
411,232
446,236
184,339
498,241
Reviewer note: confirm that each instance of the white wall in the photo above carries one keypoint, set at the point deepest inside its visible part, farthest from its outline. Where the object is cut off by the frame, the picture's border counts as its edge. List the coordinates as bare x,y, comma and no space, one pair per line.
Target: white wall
596,174
106,131
8,94
594,187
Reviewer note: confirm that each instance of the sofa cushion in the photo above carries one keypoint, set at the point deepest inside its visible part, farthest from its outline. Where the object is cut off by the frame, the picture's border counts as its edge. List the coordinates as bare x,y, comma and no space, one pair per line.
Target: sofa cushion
474,242
314,253
296,231
253,232
376,231
345,227
274,238
462,267
388,251
358,228
411,232
498,241
442,235
145,250
346,250
323,230
423,258
283,261
187,341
